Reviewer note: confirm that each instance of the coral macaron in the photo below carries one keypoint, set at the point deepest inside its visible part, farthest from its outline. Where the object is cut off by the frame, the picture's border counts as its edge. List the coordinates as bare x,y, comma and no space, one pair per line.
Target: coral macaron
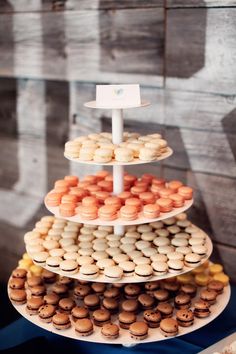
88,212
107,213
151,211
128,212
67,209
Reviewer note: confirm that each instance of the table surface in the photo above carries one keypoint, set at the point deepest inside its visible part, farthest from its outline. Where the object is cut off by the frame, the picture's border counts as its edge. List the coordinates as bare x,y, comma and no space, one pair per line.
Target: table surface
22,336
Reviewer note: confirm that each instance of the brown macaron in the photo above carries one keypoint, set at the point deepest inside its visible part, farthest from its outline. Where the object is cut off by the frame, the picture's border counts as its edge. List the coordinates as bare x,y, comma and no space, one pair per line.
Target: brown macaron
201,309
152,286
126,319
152,318
66,305
146,301
19,273
110,331
165,309
132,291
169,327
81,290
18,296
171,286
34,280
130,306
138,330
51,299
111,305
98,288
46,313
60,289
38,291
184,317
216,285
161,295
79,312
209,296
84,327
101,317
69,282
112,293
189,289
48,276
16,283
92,302
33,305
182,301
61,321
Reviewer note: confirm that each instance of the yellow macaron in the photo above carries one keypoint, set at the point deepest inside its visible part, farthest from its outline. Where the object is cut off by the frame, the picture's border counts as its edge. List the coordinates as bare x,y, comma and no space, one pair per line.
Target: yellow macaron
185,278
215,268
202,279
36,270
198,270
221,277
25,263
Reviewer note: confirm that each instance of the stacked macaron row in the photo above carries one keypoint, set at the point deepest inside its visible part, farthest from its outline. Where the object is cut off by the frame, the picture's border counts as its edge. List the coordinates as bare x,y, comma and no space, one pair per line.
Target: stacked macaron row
91,198
168,306
150,250
100,149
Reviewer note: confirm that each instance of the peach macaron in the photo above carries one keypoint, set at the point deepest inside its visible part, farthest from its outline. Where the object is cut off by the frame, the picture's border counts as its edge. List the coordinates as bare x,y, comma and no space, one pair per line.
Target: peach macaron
186,192
175,185
165,204
151,211
128,212
72,180
89,201
134,202
147,197
113,201
107,213
178,200
67,209
88,212
53,199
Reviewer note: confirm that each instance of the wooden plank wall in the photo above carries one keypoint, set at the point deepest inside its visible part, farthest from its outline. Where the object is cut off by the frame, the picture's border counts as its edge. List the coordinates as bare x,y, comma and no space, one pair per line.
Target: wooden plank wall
52,54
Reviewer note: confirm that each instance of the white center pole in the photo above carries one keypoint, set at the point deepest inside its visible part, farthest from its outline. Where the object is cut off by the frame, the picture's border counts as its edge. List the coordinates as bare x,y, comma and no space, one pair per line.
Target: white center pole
118,171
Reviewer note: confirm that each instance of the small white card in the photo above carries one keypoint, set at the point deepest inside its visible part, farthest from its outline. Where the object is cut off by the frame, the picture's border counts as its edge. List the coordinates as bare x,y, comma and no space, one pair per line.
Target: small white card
118,95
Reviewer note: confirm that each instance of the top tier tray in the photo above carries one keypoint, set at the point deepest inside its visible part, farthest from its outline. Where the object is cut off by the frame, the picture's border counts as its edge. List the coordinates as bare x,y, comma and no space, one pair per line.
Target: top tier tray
94,104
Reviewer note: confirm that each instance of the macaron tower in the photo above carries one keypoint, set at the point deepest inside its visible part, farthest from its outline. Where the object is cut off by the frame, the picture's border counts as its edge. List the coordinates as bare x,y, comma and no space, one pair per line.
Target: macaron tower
115,250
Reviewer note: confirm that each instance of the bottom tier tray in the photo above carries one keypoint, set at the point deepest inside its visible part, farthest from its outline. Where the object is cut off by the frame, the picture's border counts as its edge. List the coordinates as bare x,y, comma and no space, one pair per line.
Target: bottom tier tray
124,338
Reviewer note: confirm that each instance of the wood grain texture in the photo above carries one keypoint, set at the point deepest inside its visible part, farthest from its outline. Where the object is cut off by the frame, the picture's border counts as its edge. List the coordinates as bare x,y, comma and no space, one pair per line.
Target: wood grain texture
62,5
206,63
199,3
81,50
132,41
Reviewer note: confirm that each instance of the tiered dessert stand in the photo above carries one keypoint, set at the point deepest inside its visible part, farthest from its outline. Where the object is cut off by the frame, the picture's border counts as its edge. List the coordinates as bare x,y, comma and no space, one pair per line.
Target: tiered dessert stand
119,227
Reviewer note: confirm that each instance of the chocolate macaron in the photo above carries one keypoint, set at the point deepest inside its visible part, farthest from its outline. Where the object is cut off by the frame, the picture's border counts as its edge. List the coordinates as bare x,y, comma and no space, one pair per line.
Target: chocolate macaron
185,317
169,327
84,327
101,317
61,321
126,319
33,305
201,309
110,331
138,330
152,318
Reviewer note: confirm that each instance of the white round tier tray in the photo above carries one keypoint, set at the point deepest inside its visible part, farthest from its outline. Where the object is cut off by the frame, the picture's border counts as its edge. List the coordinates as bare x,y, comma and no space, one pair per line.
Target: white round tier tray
93,104
119,221
132,279
136,161
124,337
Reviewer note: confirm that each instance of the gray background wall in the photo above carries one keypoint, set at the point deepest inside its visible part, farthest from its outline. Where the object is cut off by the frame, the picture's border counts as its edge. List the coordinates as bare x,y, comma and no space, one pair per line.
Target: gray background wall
52,54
